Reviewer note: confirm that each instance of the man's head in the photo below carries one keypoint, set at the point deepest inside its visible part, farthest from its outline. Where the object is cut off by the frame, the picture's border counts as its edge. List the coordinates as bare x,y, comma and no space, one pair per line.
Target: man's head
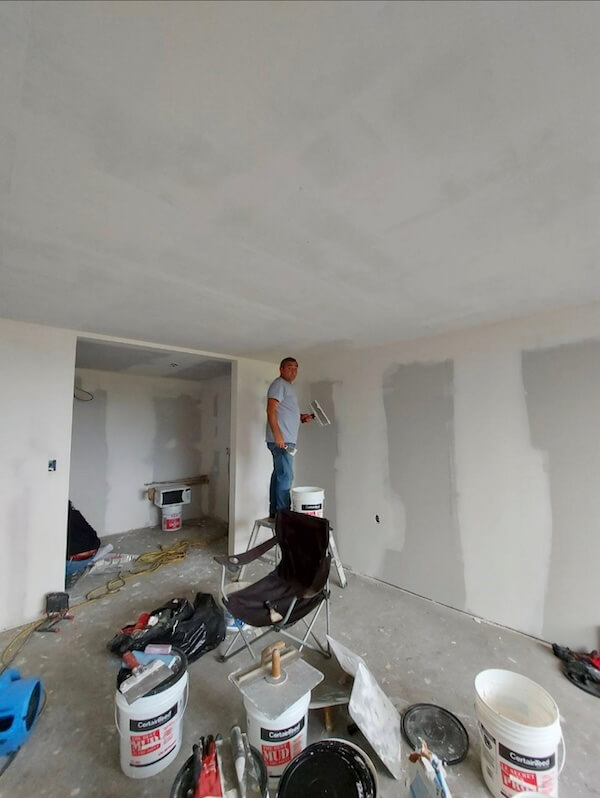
288,369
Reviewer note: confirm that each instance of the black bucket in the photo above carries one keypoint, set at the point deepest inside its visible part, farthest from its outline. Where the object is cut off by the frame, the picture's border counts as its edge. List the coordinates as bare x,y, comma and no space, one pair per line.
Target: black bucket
329,769
184,780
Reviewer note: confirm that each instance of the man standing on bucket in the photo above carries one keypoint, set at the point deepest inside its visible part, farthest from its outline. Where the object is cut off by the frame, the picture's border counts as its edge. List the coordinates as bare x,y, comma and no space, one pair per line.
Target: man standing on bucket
283,420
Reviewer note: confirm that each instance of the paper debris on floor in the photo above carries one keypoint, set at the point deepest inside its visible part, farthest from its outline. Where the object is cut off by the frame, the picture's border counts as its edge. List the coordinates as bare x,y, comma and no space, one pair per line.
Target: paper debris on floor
113,563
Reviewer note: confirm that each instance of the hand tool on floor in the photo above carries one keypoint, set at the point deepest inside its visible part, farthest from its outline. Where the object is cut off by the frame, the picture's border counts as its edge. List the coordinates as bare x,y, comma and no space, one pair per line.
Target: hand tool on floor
225,782
143,677
252,779
57,608
239,758
209,781
196,766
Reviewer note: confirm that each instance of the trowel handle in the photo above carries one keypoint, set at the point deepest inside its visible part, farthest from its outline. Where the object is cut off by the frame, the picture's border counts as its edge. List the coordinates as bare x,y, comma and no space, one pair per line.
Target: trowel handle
130,661
268,651
276,665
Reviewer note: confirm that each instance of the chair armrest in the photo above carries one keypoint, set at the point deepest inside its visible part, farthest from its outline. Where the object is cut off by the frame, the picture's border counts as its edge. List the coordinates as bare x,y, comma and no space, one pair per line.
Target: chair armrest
234,562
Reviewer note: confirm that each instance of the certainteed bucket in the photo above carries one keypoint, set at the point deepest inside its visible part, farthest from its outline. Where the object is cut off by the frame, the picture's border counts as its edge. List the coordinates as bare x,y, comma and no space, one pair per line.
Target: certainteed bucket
308,500
171,517
520,732
329,769
281,739
150,728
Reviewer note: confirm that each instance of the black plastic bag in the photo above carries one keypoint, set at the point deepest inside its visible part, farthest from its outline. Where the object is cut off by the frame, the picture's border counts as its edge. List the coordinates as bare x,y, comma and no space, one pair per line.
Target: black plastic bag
203,631
193,629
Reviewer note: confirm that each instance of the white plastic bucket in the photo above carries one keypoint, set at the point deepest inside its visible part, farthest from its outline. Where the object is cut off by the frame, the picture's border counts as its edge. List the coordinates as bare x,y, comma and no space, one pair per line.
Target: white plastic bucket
150,728
310,501
519,725
171,517
279,740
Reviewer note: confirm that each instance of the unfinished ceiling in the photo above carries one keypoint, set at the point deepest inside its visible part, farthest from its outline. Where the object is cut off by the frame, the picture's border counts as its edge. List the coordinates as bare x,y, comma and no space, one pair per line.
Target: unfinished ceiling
142,361
250,177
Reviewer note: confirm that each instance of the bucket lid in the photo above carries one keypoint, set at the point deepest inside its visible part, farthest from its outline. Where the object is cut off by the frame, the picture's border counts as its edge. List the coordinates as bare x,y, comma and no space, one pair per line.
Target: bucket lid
329,769
443,732
584,684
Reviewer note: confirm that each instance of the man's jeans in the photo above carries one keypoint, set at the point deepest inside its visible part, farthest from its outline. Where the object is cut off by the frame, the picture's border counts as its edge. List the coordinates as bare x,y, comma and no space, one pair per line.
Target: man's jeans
281,479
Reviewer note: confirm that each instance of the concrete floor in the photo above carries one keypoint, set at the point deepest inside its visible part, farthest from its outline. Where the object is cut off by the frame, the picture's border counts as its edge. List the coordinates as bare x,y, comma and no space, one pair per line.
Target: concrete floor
419,652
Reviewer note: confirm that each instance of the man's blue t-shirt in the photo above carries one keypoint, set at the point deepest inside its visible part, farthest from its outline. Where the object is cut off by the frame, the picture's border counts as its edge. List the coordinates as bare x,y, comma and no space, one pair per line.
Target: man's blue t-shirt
288,410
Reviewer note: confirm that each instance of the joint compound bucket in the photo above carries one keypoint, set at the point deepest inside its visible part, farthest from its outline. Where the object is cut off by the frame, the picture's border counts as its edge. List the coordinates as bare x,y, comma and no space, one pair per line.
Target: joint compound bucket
171,517
519,727
308,500
150,728
281,739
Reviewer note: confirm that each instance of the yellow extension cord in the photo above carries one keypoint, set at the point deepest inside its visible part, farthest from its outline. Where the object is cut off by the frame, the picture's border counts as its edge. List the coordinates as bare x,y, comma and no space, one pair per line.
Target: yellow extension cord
166,555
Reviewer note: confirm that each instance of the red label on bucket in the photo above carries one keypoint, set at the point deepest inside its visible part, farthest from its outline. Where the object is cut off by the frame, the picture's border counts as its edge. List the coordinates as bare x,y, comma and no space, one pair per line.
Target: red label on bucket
146,749
517,780
172,523
151,739
277,756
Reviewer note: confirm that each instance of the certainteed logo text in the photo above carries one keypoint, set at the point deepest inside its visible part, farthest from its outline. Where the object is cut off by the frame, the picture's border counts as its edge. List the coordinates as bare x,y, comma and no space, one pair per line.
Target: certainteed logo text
153,723
280,735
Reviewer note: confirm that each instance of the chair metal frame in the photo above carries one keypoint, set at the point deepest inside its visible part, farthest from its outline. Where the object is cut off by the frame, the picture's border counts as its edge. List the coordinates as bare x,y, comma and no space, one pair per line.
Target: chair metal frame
234,565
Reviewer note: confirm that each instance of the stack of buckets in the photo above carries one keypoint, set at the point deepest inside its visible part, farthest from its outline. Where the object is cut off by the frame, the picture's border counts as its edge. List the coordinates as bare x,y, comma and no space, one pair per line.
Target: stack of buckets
281,739
519,726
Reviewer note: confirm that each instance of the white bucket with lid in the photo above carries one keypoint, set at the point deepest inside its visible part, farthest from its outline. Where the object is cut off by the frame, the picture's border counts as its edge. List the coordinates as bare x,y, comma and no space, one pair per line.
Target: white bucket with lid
281,739
171,517
308,500
520,733
150,728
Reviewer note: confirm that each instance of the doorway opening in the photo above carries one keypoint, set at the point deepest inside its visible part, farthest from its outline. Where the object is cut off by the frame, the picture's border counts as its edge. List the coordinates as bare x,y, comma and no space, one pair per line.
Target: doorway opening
144,417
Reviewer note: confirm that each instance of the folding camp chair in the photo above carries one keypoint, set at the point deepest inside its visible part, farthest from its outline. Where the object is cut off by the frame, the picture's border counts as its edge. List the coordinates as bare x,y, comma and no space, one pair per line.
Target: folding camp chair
297,587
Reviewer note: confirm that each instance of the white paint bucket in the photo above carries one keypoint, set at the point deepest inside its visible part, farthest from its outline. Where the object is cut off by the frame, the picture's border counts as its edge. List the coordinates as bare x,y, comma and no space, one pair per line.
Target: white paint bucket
171,517
281,739
150,728
519,725
308,500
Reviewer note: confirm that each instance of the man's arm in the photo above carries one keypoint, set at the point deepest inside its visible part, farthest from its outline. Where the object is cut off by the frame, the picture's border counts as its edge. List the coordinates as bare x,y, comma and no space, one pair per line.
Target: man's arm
272,405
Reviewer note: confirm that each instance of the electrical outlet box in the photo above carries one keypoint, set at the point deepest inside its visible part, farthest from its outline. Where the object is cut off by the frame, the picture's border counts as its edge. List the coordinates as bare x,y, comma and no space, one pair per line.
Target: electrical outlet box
51,465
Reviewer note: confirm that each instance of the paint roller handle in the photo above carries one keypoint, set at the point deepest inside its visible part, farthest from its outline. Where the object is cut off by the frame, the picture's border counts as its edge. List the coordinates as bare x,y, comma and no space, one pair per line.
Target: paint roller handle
239,758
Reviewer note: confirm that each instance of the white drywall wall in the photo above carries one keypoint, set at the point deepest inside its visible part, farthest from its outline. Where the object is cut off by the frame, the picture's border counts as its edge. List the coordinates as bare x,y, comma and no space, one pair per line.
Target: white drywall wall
36,407
37,365
503,491
138,430
251,462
